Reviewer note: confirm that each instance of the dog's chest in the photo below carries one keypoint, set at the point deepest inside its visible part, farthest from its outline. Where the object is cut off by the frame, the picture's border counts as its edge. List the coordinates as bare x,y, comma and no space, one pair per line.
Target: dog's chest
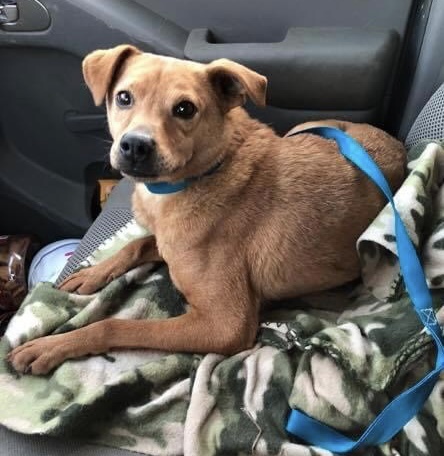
176,228
148,207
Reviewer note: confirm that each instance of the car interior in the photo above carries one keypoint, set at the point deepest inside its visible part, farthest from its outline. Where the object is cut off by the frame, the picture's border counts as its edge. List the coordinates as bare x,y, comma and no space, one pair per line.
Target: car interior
370,61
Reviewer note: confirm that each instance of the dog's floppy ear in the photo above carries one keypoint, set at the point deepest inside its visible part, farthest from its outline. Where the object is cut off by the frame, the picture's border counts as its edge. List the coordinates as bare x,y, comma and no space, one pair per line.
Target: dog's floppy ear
100,66
233,82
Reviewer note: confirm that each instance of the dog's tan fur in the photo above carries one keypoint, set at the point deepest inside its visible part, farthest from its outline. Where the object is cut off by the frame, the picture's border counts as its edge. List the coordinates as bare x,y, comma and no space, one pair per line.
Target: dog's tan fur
279,218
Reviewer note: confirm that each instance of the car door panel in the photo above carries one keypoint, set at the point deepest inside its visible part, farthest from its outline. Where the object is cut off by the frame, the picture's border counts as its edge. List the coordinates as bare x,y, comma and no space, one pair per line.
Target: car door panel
323,59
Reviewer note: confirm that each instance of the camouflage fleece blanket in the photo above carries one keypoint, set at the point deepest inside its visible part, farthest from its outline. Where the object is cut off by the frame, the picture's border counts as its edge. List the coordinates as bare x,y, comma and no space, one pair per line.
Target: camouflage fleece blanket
338,356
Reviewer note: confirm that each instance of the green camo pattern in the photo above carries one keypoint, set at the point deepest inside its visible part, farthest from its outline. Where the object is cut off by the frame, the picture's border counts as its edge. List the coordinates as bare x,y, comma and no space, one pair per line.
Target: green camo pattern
338,356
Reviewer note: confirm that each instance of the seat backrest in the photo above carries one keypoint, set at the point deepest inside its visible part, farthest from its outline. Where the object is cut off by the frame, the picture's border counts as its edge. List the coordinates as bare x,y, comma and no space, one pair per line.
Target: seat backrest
430,122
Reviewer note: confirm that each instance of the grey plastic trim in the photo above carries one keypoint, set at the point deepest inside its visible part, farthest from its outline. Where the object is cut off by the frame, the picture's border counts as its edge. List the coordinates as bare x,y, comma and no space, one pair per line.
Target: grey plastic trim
32,17
140,23
81,26
24,178
262,21
313,68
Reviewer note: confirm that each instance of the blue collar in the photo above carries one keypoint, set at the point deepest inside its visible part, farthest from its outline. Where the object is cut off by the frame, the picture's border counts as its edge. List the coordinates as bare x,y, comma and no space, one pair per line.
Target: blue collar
165,188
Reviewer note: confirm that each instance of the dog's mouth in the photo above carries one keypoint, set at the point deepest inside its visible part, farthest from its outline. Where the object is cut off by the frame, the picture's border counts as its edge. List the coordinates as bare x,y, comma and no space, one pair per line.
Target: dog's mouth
151,176
141,172
150,172
139,175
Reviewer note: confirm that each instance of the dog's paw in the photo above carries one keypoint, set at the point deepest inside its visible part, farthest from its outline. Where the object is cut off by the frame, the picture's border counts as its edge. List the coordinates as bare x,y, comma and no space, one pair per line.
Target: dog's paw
39,356
86,281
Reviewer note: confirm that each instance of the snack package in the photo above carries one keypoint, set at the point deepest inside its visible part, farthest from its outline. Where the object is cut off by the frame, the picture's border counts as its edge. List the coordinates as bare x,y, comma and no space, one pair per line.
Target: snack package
16,252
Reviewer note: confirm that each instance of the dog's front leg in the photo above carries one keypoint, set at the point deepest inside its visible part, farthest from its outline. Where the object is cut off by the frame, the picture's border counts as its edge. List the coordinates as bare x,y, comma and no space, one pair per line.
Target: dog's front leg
224,323
89,280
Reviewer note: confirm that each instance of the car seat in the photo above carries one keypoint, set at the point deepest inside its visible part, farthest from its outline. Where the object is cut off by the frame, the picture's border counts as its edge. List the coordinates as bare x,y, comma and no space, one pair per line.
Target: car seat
116,213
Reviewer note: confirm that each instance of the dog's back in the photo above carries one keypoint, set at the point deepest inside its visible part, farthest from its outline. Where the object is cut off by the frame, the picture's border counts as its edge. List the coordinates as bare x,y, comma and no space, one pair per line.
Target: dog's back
319,207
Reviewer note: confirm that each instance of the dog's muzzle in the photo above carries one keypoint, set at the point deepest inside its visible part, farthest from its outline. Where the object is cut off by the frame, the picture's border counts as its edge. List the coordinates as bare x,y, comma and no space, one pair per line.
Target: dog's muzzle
137,154
136,146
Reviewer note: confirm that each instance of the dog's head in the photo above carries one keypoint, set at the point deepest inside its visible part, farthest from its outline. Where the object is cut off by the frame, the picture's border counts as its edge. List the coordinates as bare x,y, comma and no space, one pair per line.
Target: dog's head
168,117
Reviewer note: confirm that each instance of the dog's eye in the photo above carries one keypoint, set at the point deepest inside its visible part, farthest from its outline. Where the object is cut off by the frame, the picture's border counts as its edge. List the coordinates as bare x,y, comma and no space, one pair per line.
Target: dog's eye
184,110
124,99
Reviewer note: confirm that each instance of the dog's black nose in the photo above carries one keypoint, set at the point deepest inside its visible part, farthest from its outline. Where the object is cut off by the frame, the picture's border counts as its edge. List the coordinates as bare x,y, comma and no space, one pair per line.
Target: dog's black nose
136,146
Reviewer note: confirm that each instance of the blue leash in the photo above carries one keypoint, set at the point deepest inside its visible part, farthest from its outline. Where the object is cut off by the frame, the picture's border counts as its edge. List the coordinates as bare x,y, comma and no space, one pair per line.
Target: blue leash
405,406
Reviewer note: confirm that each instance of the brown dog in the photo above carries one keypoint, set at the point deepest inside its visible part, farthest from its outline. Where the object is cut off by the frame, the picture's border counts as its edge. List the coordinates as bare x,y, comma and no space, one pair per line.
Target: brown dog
263,217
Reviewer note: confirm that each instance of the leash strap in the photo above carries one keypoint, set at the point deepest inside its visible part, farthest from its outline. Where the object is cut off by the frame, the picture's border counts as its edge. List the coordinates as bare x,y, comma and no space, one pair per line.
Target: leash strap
405,406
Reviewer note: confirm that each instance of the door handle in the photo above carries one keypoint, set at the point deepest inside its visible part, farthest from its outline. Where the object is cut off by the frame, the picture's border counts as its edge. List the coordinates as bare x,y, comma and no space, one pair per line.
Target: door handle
8,11
23,16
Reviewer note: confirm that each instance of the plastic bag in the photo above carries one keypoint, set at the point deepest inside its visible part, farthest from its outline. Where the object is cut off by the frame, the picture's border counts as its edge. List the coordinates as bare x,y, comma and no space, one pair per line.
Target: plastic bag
15,255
